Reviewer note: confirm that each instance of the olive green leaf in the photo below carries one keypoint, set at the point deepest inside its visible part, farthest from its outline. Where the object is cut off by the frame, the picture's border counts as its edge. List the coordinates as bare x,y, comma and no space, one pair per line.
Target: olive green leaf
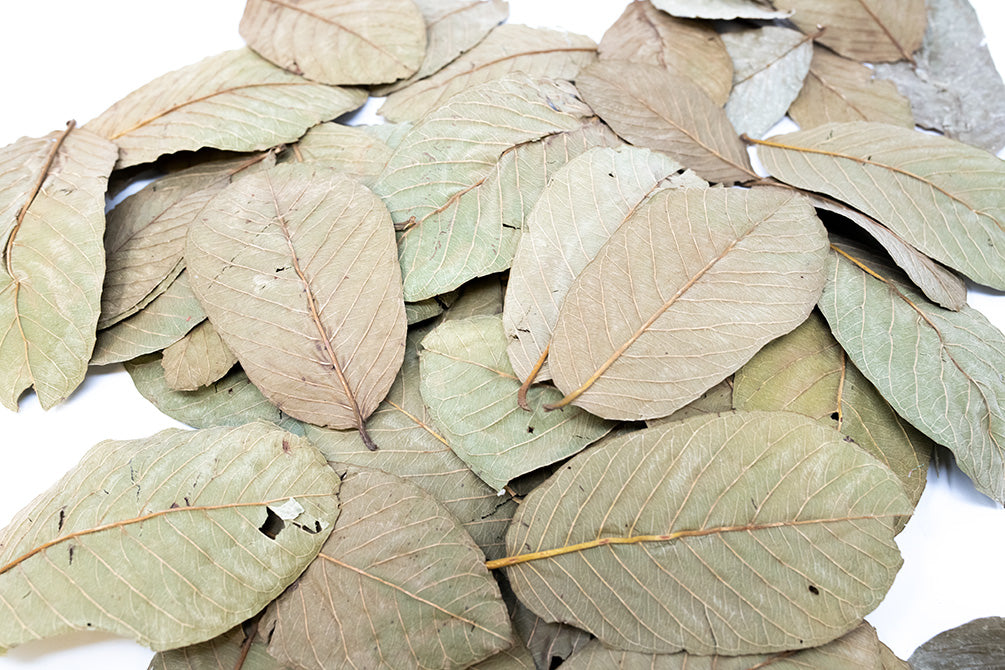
741,533
865,30
941,196
352,149
338,41
398,584
235,100
470,389
52,198
840,89
643,34
939,369
221,519
508,49
303,286
226,652
652,107
720,9
977,644
198,359
713,275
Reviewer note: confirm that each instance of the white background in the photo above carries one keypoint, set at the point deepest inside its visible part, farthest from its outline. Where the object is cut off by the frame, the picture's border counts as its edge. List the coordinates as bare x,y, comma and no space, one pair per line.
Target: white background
68,59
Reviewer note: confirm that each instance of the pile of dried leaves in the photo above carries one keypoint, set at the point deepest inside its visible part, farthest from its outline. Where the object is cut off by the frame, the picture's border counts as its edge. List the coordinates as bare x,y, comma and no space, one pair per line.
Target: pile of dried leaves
541,371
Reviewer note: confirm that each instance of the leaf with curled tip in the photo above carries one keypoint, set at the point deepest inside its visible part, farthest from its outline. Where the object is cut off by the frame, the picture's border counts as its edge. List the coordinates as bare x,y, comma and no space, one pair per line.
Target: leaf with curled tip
203,515
747,532
398,584
235,101
52,197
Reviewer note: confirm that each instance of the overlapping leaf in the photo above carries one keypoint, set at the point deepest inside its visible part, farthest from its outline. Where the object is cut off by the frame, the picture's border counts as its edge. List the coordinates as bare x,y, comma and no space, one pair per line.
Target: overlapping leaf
937,368
351,149
235,101
976,644
508,49
720,9
941,196
470,390
198,359
225,652
398,584
222,519
338,42
652,107
683,294
322,342
51,222
752,532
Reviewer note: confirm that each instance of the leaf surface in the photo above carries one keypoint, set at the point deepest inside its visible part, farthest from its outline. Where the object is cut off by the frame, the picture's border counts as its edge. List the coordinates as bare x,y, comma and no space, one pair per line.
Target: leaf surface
235,101
508,49
198,359
652,107
52,196
941,196
656,318
304,288
720,9
470,389
351,149
643,34
937,368
197,515
977,644
752,532
337,41
398,584
220,653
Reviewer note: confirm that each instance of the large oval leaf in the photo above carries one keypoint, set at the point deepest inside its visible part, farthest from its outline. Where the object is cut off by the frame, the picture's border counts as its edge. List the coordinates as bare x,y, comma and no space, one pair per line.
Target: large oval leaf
740,533
235,100
297,270
939,369
399,584
683,294
222,520
52,197
338,41
942,196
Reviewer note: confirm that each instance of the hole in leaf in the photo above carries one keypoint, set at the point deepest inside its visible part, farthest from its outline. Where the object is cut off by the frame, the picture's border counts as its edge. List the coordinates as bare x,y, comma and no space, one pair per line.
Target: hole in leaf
530,429
834,415
814,590
272,525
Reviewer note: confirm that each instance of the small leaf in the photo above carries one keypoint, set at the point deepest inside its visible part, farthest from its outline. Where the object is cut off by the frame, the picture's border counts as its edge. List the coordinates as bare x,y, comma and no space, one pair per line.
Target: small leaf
338,41
508,49
720,9
752,532
321,342
235,101
652,107
51,222
351,149
470,390
198,359
977,644
182,512
941,196
712,275
399,584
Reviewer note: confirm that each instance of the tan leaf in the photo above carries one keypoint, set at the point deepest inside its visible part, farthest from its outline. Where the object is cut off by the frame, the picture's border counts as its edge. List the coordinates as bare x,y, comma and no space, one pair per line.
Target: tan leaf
198,359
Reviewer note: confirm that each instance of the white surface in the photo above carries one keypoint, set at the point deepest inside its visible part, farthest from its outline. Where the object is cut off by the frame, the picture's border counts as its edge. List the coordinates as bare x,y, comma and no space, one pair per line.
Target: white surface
69,59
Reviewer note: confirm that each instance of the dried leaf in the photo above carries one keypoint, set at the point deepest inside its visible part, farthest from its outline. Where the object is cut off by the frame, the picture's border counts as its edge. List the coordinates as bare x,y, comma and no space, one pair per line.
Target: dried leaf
716,400
549,643
712,275
481,297
352,149
839,89
977,644
515,658
198,359
398,584
338,41
865,30
751,532
470,389
954,86
235,101
643,34
508,49
192,514
322,343
720,9
652,107
51,220
938,369
941,196
225,652
769,66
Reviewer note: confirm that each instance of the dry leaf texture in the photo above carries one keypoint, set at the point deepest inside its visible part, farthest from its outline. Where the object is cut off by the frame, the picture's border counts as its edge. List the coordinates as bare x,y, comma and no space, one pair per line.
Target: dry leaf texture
198,359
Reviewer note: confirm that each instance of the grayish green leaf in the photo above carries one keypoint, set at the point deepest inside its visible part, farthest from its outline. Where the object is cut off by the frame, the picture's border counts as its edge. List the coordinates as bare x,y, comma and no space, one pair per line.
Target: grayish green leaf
547,641
182,512
720,9
220,653
748,532
399,584
235,100
198,359
52,197
977,644
716,400
515,658
480,297
351,149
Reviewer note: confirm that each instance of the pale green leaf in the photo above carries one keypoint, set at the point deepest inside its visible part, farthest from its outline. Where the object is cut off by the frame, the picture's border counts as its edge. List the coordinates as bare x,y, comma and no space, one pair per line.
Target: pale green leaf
198,359
748,532
515,658
220,653
480,297
184,513
351,149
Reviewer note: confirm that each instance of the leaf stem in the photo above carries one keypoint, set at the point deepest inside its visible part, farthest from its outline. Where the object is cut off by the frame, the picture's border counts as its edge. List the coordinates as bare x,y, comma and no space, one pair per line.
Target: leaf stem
521,395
